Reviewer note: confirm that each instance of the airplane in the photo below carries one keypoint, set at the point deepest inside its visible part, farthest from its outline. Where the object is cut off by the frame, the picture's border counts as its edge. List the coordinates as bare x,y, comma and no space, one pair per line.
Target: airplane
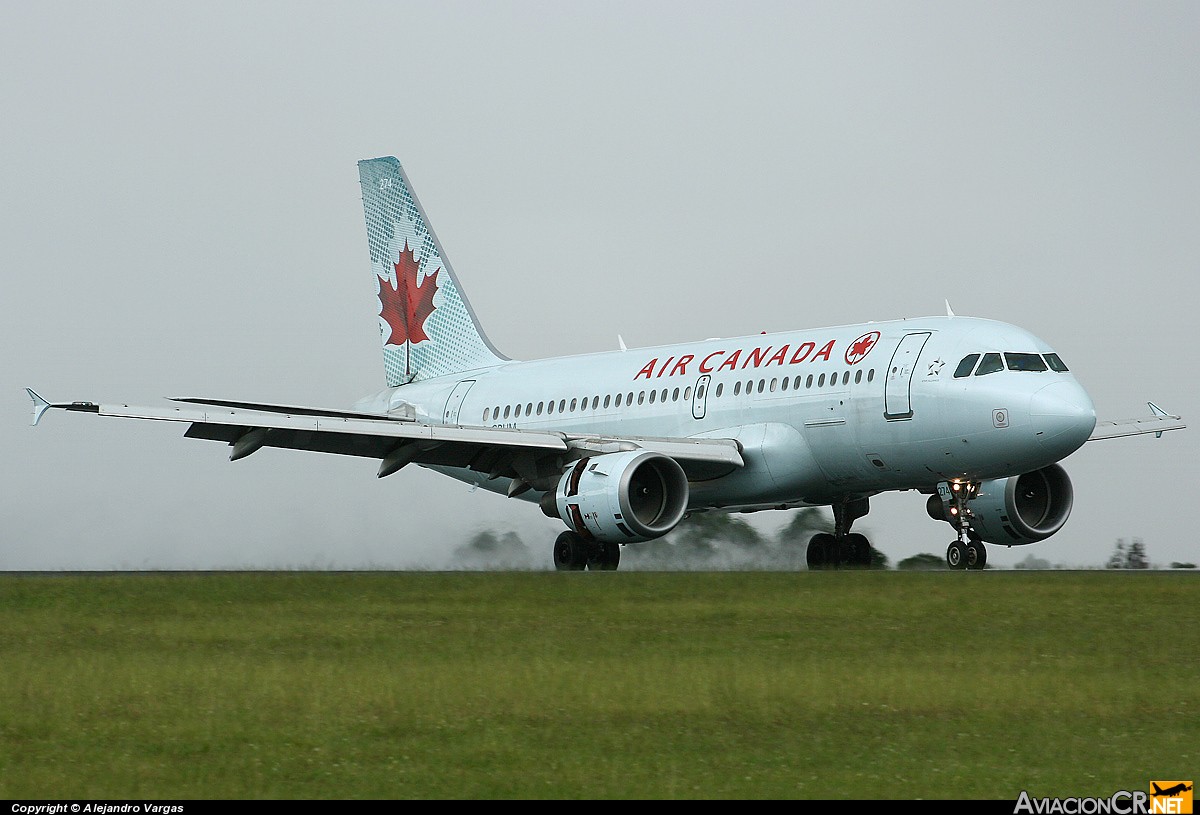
622,445
1170,791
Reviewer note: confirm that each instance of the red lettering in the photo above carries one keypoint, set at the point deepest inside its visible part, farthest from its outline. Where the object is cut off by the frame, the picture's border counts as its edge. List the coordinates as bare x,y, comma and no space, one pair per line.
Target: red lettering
731,363
802,352
705,368
648,371
778,356
681,365
664,366
824,352
756,356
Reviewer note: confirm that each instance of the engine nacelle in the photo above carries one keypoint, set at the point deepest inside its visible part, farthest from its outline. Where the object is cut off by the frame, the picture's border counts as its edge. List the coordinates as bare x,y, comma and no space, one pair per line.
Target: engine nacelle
622,497
1023,509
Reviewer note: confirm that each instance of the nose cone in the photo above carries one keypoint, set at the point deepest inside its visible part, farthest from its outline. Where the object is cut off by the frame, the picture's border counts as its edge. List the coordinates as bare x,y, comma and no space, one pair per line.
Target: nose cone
1062,416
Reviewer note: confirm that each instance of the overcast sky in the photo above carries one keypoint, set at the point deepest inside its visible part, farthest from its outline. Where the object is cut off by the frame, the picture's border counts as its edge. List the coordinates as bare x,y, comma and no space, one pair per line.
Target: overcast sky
182,217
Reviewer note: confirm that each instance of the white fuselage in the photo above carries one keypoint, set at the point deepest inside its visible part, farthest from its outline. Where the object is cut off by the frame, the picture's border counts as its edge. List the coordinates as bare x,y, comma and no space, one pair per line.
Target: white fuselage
820,414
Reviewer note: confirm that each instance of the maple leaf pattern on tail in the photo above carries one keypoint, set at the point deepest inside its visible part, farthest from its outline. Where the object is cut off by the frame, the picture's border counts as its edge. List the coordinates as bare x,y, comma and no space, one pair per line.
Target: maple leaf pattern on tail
406,306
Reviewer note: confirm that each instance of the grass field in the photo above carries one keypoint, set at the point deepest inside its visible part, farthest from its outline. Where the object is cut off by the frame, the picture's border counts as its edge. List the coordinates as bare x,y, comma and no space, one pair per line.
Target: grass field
597,685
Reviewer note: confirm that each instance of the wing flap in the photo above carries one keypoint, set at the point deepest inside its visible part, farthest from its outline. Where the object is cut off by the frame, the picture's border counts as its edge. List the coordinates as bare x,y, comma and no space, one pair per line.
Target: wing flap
340,432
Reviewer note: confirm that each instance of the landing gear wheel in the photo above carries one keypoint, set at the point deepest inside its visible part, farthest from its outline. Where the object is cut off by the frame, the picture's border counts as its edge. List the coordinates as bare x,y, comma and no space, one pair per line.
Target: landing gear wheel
821,549
570,552
956,555
857,550
976,555
605,556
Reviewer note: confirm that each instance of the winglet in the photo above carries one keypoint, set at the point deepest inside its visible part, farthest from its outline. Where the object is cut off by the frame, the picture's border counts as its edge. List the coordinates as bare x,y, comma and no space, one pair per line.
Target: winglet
40,406
1157,411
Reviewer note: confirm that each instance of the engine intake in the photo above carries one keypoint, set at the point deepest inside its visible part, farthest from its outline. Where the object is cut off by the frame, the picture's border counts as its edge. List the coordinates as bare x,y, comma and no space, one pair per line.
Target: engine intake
622,497
1023,509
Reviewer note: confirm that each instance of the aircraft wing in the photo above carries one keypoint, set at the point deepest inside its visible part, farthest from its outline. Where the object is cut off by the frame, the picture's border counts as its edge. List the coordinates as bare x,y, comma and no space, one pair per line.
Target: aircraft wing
400,440
1159,423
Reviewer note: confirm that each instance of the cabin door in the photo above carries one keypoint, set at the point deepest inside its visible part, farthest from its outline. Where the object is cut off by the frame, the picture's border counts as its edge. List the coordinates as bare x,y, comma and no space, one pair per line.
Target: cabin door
897,388
454,403
700,397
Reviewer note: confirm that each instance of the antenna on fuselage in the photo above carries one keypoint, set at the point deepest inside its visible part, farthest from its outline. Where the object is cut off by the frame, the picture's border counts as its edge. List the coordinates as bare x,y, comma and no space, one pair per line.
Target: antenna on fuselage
949,311
621,342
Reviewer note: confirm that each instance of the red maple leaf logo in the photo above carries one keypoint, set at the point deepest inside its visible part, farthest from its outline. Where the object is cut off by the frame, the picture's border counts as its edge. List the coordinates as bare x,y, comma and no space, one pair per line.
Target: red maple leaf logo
861,347
406,306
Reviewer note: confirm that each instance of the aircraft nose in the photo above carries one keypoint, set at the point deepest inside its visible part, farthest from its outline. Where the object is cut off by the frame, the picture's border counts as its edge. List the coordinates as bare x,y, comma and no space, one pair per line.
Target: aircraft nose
1063,416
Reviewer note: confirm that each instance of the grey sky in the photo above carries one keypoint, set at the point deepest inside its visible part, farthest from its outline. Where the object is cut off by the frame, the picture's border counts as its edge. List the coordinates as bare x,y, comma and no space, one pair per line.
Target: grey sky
182,217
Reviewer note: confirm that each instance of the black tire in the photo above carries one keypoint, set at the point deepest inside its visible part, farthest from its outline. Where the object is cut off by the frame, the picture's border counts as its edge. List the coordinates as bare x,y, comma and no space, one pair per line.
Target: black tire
956,555
976,555
858,550
570,552
821,548
605,556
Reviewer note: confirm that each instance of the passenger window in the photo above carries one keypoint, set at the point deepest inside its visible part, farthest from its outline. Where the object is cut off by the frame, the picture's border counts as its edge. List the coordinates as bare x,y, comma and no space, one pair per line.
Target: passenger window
821,381
846,378
662,397
641,397
796,383
1055,363
808,382
762,385
784,384
687,393
562,405
871,375
1024,362
652,395
529,409
550,407
540,406
517,412
858,376
574,402
774,382
619,399
720,389
607,401
737,387
507,408
595,402
486,413
675,395
990,364
966,366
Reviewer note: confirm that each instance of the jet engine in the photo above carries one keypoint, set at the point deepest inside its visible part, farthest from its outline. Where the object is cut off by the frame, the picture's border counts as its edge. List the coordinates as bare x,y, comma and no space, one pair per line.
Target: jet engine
621,497
1023,509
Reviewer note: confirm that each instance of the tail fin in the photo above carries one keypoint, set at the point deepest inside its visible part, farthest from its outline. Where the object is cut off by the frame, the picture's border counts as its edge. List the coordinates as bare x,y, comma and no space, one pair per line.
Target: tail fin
426,324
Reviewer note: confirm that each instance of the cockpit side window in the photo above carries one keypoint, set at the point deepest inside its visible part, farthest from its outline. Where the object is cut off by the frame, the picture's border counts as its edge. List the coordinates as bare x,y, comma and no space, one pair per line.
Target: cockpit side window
1056,364
990,364
964,368
1024,362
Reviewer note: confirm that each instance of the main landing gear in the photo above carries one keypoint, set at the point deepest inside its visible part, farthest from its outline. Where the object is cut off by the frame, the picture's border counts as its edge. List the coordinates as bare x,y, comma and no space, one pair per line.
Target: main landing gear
574,553
843,547
968,551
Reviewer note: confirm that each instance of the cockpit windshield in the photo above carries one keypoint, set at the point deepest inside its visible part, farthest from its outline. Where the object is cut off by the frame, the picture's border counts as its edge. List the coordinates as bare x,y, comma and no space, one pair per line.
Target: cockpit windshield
1024,362
1013,361
990,364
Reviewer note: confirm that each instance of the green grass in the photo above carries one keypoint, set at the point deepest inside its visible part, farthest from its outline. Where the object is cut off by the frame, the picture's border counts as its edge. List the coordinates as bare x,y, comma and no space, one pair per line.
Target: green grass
597,685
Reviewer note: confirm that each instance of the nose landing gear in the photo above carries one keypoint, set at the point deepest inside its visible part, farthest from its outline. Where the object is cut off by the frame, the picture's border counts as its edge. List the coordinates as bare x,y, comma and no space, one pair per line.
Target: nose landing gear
968,551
